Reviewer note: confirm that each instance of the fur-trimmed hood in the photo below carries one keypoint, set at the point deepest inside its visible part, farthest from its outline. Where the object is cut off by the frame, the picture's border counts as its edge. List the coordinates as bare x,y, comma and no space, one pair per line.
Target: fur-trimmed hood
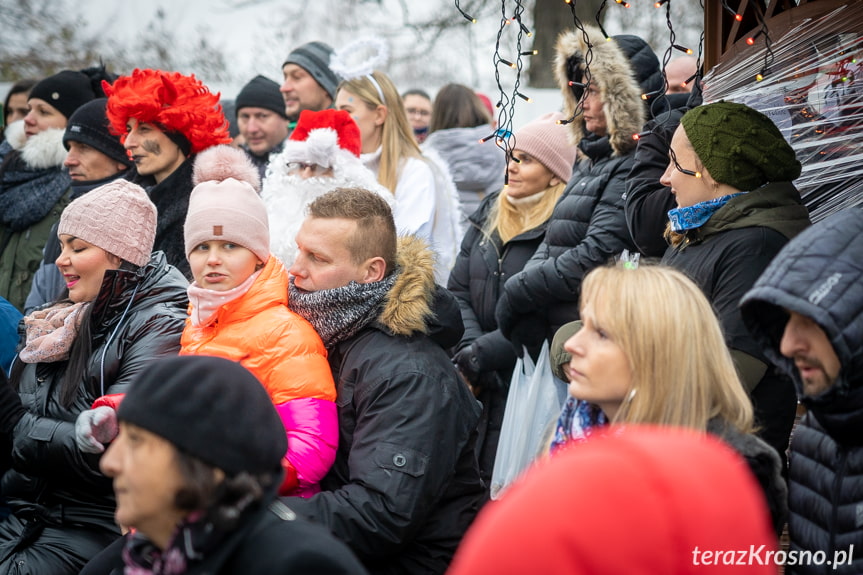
40,151
612,72
408,306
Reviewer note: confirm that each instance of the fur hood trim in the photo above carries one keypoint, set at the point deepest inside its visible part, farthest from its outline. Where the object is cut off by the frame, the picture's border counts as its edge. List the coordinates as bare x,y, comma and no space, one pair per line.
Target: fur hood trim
612,72
45,149
409,303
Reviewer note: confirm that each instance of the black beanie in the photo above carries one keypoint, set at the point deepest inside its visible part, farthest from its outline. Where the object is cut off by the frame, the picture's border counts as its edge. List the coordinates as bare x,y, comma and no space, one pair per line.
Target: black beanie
314,58
261,92
210,408
67,91
89,125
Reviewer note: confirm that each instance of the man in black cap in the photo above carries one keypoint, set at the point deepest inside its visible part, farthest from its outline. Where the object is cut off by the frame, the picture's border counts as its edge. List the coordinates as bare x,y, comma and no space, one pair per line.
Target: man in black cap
261,120
309,83
94,157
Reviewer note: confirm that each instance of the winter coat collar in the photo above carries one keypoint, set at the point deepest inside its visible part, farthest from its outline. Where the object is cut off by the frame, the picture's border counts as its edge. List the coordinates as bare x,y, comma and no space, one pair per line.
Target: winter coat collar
124,289
776,206
408,306
269,290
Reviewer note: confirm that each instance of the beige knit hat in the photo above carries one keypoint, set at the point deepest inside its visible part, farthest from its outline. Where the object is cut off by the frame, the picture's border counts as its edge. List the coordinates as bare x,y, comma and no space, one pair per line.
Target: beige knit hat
231,211
548,142
117,217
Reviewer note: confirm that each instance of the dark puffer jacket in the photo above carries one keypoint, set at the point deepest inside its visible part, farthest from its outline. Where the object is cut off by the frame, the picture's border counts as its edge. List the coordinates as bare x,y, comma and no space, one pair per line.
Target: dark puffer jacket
62,505
481,269
587,227
820,275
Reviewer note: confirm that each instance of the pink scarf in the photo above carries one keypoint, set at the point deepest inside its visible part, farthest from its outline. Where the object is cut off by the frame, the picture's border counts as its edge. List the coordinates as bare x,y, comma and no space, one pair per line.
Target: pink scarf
206,302
51,332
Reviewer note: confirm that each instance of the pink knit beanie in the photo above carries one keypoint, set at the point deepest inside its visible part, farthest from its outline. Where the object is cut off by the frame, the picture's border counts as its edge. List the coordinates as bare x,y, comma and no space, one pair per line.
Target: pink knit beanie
117,217
548,142
224,205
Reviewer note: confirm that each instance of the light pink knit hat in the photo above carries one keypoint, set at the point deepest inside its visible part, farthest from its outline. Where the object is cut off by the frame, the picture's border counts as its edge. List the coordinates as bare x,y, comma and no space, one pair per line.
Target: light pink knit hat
117,217
548,142
225,204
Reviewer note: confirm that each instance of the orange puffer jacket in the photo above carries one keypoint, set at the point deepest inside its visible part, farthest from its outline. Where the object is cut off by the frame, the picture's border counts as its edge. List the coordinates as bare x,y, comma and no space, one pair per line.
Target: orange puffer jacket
287,356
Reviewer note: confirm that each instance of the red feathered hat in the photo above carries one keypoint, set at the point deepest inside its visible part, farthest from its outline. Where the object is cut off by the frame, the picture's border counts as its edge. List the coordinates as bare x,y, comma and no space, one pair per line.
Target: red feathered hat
175,103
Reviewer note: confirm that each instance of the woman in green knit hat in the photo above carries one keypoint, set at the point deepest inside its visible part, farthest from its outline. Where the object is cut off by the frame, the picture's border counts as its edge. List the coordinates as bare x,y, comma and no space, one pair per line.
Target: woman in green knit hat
731,173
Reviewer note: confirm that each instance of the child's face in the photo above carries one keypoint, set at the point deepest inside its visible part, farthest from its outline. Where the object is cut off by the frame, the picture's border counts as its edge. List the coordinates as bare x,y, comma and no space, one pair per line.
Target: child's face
220,265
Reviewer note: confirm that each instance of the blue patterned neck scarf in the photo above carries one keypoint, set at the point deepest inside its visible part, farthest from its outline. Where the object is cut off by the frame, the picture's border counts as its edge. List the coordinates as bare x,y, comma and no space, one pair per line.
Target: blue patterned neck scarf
695,216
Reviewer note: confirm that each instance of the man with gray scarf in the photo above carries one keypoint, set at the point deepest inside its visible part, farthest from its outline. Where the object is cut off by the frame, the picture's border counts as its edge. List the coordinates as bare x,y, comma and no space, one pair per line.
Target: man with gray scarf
405,484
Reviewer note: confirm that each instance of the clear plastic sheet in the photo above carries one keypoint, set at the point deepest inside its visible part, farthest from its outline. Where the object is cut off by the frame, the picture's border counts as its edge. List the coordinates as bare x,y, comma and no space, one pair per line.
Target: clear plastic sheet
812,88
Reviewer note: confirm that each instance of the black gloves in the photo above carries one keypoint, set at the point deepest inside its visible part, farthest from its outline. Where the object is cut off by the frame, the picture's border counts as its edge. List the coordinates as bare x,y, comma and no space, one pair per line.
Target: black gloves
468,364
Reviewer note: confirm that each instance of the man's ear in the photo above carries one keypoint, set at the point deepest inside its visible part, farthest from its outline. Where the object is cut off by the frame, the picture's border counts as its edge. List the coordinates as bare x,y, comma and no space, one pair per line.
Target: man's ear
375,270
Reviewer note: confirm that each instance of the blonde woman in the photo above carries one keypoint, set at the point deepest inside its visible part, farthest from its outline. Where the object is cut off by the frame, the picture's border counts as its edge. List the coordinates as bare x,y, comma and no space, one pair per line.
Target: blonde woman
426,200
504,233
650,351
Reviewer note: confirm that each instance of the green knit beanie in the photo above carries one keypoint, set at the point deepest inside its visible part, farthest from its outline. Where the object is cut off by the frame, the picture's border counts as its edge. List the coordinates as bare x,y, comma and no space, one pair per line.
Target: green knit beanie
740,146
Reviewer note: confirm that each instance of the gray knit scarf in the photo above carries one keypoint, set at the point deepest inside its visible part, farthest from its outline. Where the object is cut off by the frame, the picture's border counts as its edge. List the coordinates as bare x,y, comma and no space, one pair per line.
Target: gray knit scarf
337,314
27,194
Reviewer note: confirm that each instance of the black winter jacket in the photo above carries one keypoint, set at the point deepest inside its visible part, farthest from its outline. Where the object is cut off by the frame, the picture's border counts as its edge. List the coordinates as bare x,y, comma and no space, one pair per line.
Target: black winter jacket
476,280
404,486
724,257
271,540
136,318
820,275
586,229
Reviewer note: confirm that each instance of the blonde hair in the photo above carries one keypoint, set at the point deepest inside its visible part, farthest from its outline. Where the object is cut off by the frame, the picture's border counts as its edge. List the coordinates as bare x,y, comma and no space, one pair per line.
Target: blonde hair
682,371
397,138
510,220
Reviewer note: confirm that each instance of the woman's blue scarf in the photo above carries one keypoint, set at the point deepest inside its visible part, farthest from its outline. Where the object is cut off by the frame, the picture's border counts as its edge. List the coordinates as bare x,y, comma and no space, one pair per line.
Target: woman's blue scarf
696,215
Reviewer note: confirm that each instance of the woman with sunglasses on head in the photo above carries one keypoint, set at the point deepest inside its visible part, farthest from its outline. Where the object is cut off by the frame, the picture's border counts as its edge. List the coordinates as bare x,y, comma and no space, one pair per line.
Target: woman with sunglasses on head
731,174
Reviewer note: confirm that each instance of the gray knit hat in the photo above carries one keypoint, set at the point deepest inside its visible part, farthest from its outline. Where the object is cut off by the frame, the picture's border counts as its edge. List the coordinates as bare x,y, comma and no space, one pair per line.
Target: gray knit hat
117,217
314,58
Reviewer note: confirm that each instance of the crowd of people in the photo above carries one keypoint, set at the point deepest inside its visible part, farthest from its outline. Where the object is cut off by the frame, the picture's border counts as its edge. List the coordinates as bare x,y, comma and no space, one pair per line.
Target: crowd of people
290,350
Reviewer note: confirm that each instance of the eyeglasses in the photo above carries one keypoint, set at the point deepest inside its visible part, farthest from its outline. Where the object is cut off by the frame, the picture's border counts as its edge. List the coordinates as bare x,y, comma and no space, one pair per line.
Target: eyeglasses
317,169
417,112
673,157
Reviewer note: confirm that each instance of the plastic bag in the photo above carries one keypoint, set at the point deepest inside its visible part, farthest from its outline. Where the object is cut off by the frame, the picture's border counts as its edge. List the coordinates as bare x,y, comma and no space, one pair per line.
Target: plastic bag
532,402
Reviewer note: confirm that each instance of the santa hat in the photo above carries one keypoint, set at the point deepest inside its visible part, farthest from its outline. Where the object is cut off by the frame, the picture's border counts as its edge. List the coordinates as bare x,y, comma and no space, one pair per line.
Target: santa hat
322,137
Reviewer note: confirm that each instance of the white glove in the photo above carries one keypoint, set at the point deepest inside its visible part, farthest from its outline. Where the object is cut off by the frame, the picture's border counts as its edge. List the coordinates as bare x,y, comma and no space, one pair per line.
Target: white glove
96,427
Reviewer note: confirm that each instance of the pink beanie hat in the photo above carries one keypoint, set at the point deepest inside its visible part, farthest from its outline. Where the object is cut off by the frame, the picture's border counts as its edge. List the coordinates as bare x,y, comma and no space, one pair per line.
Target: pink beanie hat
225,204
548,142
117,217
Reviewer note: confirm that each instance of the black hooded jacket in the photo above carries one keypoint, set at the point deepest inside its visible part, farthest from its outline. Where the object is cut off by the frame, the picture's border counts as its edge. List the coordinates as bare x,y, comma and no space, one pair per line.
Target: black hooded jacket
820,275
587,227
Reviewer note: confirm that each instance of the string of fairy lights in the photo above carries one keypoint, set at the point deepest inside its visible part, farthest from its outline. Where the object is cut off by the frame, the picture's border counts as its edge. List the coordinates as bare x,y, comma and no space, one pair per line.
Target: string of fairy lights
512,61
